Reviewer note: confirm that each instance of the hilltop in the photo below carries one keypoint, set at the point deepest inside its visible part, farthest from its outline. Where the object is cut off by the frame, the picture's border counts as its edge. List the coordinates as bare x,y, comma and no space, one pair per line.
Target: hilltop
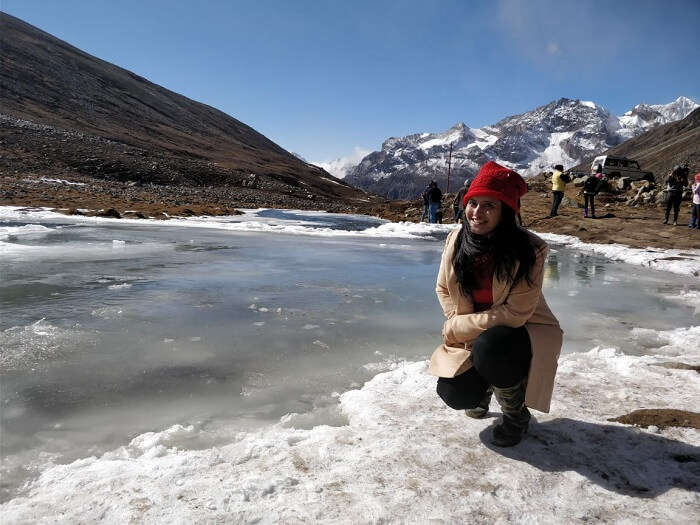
70,115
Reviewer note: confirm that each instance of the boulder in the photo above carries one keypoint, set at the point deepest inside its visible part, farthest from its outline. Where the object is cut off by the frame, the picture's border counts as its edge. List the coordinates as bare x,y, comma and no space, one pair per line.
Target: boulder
111,212
624,183
578,183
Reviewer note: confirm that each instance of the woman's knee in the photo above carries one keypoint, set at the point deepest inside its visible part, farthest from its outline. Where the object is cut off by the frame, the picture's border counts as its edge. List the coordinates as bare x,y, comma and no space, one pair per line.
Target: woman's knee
459,394
499,341
502,354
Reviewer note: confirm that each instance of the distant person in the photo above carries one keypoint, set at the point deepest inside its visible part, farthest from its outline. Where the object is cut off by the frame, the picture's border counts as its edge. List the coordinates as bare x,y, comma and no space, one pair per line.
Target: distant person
674,190
500,336
434,201
439,214
695,211
458,203
426,202
559,181
591,186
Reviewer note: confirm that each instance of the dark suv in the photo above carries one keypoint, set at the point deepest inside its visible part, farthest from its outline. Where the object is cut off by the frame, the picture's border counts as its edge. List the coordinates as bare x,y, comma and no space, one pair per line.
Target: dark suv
621,167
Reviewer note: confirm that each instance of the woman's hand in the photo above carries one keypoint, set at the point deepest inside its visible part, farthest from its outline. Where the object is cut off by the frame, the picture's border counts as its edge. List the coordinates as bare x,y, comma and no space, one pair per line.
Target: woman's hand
447,334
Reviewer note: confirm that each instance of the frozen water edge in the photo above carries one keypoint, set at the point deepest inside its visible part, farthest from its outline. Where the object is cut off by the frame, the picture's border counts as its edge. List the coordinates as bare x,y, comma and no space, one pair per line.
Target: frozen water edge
405,457
684,262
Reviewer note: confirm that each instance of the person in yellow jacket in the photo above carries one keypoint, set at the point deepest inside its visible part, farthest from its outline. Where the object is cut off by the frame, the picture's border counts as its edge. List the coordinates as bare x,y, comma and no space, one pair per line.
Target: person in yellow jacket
558,184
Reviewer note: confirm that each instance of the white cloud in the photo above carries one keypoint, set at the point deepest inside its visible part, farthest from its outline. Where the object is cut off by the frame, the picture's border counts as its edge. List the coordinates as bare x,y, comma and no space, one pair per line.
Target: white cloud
553,49
546,31
339,167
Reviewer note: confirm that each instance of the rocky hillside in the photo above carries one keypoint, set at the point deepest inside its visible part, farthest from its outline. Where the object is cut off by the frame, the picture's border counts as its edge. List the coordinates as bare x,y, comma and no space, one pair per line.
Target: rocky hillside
65,113
564,131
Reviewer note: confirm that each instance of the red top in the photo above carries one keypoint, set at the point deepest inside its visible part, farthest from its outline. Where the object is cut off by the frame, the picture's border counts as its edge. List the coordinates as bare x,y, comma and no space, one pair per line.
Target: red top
483,295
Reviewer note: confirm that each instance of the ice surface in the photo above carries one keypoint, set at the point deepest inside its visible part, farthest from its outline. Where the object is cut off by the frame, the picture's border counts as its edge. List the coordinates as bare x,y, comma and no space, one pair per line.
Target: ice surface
208,391
684,262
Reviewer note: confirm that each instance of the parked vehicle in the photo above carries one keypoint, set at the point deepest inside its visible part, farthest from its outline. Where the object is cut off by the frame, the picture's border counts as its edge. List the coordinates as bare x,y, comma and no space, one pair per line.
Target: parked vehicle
621,167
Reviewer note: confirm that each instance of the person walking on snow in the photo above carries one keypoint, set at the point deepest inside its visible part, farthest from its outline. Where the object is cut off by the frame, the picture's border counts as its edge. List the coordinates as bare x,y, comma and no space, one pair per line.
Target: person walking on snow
457,204
500,336
695,211
558,185
434,201
674,190
590,189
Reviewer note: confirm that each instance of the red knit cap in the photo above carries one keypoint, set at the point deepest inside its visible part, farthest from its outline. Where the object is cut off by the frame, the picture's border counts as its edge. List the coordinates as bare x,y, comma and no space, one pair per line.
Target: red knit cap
493,180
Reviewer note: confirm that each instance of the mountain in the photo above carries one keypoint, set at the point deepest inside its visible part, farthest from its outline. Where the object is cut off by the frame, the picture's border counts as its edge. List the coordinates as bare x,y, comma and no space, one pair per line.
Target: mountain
564,132
663,147
65,111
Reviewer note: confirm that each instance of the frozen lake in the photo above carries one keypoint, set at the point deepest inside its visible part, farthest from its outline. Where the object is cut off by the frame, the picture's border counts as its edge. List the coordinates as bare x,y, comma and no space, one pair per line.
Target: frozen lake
113,328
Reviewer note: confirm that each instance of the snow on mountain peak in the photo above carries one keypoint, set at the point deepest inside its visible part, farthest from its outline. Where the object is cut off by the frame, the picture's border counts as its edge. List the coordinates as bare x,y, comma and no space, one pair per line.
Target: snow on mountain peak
561,132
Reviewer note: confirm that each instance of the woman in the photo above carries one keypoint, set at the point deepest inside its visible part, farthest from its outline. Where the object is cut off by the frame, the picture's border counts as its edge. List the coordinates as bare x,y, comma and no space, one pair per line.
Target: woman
500,335
590,190
695,210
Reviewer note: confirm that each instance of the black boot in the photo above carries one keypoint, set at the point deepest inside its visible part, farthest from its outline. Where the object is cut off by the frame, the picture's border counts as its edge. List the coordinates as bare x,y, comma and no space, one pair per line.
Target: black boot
516,416
482,408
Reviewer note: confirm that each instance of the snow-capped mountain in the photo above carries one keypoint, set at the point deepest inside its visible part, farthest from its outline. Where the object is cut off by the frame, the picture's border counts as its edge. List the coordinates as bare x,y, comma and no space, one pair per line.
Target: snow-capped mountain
561,132
642,117
339,167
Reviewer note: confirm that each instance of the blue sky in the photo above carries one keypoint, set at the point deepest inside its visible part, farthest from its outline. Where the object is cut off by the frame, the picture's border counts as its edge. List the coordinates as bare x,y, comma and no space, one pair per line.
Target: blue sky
322,78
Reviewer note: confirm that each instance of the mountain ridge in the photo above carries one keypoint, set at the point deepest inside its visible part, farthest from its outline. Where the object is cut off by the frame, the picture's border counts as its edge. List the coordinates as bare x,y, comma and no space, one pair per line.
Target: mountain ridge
150,133
563,131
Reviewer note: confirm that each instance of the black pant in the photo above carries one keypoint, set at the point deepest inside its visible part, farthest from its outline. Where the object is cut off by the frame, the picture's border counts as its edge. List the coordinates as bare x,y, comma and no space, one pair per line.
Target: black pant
589,198
674,200
557,196
501,357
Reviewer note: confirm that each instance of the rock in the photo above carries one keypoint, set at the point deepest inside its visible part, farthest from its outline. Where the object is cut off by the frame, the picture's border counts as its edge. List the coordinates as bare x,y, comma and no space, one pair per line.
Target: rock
639,184
624,183
578,183
568,202
111,212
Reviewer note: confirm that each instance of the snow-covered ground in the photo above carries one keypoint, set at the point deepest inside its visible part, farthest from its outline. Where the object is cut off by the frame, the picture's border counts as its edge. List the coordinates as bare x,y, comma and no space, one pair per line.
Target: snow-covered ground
397,454
403,457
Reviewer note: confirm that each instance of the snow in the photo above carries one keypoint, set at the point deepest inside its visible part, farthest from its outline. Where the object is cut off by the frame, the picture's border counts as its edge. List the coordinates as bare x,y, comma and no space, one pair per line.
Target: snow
551,155
403,457
588,104
484,139
26,231
250,221
441,140
341,166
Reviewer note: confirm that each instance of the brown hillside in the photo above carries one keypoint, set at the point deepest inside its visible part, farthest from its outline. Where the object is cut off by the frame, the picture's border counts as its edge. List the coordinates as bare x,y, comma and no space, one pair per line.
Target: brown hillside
86,116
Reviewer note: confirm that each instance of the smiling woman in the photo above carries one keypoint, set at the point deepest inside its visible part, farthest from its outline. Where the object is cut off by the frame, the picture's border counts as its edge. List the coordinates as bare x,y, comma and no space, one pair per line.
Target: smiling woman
483,214
500,336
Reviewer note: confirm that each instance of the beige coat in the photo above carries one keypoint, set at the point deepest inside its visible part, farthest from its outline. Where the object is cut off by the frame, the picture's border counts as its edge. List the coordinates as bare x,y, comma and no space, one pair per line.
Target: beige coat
513,306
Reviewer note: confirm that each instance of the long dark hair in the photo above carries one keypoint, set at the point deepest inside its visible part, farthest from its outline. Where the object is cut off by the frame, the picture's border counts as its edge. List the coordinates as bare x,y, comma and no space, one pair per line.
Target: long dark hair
508,245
